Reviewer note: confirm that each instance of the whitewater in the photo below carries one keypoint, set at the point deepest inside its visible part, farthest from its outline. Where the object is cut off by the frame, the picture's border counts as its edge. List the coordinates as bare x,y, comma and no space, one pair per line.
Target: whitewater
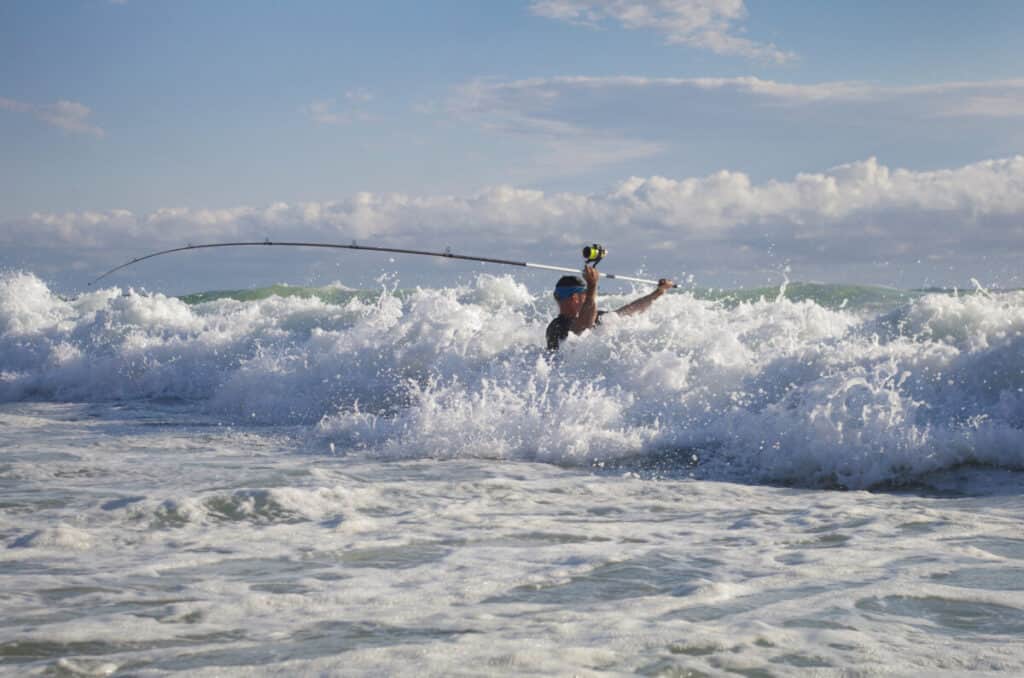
806,480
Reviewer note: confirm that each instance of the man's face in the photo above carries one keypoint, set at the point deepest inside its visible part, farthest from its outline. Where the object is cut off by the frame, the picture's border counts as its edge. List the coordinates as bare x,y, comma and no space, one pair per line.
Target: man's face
571,306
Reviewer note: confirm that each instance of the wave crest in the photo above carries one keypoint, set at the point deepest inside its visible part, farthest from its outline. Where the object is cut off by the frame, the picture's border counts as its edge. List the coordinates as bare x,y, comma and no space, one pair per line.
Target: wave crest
766,389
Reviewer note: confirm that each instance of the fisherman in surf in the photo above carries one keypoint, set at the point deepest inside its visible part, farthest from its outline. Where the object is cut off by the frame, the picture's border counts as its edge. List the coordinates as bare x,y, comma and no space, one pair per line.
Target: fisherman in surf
577,305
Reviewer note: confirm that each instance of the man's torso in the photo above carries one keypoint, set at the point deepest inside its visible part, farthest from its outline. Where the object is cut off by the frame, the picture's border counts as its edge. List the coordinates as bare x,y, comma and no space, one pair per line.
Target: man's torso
559,328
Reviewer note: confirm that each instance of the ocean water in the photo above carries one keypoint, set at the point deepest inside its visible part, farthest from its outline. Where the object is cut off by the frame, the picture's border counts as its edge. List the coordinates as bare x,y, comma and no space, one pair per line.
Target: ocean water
817,480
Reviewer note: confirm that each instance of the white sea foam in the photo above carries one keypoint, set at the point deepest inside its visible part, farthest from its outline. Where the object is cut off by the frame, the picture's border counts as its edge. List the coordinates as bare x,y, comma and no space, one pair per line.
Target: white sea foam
59,537
143,537
763,391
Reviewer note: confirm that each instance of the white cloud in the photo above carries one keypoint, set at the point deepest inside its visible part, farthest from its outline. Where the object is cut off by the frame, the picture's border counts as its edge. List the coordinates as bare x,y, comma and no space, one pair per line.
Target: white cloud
15,106
70,116
1009,104
857,212
526,110
360,96
704,24
592,122
535,97
323,111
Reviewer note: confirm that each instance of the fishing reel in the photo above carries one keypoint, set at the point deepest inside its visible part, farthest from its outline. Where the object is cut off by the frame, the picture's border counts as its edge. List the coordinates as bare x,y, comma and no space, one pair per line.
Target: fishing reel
593,254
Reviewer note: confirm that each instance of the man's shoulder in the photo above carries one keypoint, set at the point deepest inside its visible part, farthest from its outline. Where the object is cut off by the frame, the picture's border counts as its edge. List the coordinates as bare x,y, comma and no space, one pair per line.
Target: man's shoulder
558,330
560,327
560,324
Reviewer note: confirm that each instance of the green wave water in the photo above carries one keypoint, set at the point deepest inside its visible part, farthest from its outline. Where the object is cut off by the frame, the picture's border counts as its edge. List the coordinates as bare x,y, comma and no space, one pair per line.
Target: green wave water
331,294
832,296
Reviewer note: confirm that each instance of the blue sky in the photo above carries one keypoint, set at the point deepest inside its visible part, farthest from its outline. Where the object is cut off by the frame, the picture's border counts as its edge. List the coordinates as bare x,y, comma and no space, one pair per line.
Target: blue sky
855,142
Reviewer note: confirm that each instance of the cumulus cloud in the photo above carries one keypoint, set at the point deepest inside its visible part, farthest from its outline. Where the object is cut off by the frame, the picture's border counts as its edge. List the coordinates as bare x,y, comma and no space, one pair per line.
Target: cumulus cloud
703,24
70,116
853,212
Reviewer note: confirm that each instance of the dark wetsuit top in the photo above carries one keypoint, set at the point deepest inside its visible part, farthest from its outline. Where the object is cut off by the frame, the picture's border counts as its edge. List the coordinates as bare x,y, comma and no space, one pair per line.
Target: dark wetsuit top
559,328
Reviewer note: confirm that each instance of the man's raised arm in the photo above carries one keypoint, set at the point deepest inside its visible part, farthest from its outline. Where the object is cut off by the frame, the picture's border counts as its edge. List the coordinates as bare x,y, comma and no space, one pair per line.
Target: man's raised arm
587,316
643,303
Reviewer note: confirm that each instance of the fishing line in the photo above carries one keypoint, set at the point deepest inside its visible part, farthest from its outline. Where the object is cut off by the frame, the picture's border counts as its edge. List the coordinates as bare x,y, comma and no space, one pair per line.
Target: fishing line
447,254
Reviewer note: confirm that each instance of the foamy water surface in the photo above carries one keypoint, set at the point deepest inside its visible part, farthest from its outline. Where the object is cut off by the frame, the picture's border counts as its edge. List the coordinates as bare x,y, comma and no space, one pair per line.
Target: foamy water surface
407,482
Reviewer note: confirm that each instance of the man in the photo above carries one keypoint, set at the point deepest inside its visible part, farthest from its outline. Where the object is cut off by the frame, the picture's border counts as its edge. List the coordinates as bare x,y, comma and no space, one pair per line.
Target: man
577,305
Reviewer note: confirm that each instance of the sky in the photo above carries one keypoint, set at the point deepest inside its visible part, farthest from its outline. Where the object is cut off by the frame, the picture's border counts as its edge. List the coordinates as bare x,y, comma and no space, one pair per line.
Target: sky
720,142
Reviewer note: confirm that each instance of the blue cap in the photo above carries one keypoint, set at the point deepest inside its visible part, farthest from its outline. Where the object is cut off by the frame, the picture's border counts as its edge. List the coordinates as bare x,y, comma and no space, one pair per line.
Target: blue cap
566,291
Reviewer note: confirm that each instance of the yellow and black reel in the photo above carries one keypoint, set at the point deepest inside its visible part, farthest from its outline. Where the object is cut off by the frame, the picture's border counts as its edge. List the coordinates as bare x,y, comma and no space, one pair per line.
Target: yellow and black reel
593,254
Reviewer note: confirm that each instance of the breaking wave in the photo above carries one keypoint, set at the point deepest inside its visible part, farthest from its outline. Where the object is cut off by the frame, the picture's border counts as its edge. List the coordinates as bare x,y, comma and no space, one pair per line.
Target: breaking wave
828,386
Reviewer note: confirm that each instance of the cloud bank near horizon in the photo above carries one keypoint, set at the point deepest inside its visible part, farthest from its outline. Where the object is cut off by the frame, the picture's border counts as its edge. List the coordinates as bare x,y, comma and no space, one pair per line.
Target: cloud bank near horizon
855,212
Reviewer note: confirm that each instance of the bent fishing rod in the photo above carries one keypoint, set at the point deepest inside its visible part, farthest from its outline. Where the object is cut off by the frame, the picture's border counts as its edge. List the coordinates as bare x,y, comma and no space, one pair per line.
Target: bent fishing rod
593,254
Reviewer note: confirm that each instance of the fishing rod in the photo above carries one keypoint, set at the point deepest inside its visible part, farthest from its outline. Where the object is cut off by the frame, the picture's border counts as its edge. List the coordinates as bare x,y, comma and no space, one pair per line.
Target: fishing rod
591,253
